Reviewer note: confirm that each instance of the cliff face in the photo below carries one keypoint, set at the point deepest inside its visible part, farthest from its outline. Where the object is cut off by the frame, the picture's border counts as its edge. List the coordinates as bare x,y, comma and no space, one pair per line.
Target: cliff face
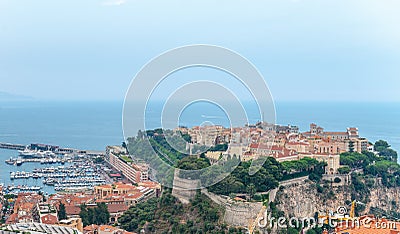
385,198
304,199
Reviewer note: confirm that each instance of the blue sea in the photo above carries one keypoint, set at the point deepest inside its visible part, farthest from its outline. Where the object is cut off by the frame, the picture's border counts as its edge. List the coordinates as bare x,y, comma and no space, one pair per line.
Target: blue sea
94,125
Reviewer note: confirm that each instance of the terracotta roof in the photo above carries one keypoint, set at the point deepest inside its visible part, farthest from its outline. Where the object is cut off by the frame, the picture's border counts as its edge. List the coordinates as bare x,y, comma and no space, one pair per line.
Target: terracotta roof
49,219
277,148
298,143
259,146
116,208
104,186
71,199
125,186
13,218
107,228
149,184
335,133
72,210
133,195
92,227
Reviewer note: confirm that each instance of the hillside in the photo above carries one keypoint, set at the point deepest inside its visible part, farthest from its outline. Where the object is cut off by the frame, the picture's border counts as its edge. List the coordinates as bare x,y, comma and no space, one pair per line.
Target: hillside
168,215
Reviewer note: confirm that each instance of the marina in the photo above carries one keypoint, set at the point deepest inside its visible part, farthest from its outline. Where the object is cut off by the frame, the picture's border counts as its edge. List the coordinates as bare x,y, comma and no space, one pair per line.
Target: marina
45,168
77,176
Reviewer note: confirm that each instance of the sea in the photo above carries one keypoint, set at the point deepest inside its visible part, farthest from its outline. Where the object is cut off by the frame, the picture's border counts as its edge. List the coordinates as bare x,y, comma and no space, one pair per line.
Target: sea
96,124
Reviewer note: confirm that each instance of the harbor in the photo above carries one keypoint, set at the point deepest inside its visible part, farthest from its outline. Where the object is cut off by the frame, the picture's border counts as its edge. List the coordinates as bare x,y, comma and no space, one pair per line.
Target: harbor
78,176
47,168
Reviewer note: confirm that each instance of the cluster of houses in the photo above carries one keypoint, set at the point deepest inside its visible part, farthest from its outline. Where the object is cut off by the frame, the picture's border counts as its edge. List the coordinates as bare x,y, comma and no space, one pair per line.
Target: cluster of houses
283,143
33,208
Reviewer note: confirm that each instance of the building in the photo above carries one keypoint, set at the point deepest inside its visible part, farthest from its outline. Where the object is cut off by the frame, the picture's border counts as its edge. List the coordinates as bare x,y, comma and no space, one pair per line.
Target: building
73,223
39,228
69,199
133,172
116,150
116,189
49,219
300,147
128,194
1,201
332,160
104,229
287,129
47,213
116,211
209,135
71,202
214,156
359,144
25,208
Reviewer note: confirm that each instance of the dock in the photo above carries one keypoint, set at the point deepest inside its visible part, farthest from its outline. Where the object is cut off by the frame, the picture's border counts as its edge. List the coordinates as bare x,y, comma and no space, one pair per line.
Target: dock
12,146
52,148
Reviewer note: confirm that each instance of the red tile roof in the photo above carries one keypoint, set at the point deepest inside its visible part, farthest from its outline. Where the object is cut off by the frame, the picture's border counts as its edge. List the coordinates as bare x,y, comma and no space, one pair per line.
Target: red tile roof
72,210
49,219
116,208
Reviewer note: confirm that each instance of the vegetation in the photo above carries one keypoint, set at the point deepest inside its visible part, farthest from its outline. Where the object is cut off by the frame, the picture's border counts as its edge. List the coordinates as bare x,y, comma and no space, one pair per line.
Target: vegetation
193,163
168,215
138,215
238,181
98,215
167,144
303,167
10,196
62,214
355,160
344,170
98,160
126,158
383,165
219,147
384,150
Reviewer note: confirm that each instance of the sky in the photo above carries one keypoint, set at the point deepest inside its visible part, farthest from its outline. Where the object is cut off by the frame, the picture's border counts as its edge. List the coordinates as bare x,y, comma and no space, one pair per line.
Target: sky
307,50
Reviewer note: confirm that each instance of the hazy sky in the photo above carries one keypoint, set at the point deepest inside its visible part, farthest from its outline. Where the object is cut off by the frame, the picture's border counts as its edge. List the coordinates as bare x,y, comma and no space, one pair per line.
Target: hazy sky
306,49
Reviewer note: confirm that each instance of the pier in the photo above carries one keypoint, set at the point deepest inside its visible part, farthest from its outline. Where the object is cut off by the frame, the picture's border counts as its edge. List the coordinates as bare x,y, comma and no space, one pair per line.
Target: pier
52,148
12,146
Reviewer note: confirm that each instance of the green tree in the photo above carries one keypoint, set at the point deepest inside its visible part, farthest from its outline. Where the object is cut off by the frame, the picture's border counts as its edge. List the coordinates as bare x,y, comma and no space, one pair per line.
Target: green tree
351,146
251,190
98,215
381,145
62,214
101,214
311,231
344,170
84,215
292,231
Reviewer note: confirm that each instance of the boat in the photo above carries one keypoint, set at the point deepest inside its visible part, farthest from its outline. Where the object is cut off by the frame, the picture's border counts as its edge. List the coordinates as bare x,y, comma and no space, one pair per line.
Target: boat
27,153
49,153
10,161
18,162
